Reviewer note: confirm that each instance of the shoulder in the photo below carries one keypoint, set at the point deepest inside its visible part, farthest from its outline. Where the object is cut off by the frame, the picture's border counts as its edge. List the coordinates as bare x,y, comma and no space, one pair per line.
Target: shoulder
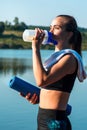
69,58
69,63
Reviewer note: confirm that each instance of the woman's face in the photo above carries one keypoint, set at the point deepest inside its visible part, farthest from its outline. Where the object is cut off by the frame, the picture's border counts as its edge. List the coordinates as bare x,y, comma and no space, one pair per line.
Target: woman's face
58,29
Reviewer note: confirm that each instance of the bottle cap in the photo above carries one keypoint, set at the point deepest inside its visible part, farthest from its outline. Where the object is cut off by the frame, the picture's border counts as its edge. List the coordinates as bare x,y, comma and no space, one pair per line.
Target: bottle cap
50,39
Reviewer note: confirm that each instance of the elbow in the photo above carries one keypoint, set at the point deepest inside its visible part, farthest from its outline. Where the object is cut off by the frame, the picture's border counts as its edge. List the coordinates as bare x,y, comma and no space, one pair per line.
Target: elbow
40,84
42,81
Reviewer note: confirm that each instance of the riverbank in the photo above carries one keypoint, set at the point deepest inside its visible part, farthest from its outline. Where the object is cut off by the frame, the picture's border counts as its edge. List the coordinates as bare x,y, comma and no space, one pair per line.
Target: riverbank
13,40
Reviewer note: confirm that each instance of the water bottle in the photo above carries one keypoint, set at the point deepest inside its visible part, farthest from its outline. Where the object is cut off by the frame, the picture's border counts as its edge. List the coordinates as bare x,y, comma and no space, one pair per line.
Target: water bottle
28,35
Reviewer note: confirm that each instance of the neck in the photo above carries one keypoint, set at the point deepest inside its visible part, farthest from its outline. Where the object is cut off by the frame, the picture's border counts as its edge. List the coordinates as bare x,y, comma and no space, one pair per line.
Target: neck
62,46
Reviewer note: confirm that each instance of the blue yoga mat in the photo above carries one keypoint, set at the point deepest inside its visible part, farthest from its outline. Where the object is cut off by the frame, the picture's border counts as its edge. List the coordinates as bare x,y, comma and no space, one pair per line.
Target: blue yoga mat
24,87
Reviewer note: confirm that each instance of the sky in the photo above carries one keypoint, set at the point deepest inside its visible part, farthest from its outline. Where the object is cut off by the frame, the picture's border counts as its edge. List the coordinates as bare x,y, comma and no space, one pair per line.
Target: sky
42,12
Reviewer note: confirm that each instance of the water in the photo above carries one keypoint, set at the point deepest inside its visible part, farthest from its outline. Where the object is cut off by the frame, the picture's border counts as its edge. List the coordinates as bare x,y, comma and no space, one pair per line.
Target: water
18,113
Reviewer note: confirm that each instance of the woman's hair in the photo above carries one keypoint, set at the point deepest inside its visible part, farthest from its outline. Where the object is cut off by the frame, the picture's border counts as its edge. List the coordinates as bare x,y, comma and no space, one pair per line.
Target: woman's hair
71,26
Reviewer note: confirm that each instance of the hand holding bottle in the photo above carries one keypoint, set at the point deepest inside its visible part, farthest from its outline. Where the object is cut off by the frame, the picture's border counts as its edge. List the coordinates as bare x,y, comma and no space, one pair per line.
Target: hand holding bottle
48,36
39,36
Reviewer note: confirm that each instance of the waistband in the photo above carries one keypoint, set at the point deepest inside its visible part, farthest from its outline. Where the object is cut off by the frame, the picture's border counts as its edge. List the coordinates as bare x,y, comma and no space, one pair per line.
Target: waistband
55,114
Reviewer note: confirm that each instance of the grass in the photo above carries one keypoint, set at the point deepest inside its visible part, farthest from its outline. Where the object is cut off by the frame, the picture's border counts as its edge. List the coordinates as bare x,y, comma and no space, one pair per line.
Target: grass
14,40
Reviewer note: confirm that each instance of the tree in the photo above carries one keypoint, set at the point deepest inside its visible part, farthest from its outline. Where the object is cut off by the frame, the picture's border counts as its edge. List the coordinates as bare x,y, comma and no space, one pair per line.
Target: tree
8,25
16,21
2,27
23,26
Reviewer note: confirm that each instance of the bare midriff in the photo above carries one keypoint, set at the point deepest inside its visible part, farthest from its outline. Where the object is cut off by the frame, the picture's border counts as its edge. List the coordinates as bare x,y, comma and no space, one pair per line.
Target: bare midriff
53,99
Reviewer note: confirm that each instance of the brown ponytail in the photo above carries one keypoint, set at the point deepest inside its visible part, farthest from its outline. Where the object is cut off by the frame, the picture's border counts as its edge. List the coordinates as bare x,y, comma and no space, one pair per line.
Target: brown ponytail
76,41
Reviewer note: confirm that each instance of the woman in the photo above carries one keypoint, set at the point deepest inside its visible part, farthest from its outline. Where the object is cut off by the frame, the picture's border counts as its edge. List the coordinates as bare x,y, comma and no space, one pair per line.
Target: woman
57,83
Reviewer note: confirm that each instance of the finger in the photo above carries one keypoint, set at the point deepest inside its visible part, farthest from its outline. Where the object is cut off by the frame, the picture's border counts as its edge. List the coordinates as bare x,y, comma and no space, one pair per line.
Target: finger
34,99
22,94
39,33
28,96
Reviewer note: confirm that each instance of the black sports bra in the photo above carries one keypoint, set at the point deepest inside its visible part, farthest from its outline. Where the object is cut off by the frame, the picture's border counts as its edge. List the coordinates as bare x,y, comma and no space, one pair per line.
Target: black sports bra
65,84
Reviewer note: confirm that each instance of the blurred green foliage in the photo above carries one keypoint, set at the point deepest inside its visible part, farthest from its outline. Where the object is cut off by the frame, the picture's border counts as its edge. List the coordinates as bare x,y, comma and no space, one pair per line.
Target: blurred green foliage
11,35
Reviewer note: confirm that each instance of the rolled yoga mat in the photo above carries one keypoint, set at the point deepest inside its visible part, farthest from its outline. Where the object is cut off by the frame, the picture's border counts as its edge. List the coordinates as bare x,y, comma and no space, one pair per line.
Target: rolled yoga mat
24,87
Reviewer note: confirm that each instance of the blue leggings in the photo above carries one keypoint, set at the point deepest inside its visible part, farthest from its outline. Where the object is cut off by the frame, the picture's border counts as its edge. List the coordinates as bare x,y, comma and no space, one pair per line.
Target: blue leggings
53,120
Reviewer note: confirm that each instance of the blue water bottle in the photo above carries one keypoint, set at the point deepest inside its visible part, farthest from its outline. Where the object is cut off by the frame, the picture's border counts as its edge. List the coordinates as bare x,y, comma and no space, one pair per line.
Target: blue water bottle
28,35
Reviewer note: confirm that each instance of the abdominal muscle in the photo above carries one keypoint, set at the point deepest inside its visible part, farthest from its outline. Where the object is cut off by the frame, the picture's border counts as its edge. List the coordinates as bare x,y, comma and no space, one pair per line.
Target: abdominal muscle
53,99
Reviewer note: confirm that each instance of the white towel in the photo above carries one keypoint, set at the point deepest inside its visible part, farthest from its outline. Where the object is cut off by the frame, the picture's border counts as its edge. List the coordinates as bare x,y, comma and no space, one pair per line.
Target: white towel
56,56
